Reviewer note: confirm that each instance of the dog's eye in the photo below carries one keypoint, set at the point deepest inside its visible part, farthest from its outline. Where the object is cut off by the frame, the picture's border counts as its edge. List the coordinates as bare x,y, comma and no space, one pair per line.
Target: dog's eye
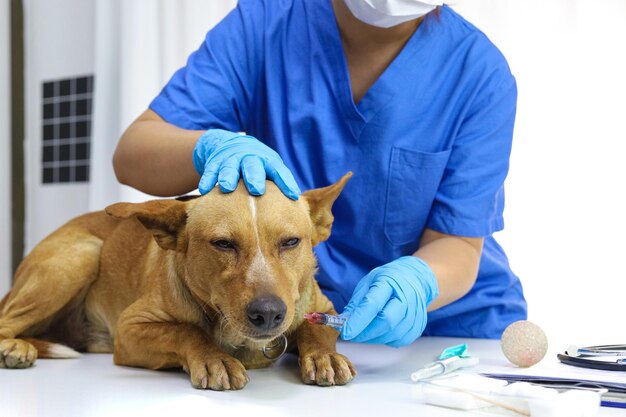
224,244
292,242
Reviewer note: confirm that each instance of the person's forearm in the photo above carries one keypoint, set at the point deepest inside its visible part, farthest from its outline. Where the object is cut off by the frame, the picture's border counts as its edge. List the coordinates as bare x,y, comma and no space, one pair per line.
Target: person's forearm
454,261
155,157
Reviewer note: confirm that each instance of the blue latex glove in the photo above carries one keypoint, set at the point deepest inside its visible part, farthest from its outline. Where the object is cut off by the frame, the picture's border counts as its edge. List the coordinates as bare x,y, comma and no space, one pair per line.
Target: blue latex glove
389,304
223,157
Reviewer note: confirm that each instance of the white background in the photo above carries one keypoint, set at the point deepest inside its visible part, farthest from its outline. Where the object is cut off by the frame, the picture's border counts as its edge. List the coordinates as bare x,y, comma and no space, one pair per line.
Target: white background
565,196
565,193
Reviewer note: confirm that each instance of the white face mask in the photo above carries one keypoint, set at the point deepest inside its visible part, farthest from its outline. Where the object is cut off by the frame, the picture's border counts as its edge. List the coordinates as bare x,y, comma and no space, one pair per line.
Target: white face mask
387,13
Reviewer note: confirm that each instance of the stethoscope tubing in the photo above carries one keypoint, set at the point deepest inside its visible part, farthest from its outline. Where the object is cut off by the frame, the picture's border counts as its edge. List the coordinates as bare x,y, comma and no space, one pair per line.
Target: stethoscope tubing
603,350
591,363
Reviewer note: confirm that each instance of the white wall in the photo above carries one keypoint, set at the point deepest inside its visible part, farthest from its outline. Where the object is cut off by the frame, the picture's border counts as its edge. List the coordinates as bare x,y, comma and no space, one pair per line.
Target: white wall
566,199
5,148
59,44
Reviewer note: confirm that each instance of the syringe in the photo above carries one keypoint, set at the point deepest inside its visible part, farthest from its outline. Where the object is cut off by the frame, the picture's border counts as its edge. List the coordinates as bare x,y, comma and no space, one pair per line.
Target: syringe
335,322
443,366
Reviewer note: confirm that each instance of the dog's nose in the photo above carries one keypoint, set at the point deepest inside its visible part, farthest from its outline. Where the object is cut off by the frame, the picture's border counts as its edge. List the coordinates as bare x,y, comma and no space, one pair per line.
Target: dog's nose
266,313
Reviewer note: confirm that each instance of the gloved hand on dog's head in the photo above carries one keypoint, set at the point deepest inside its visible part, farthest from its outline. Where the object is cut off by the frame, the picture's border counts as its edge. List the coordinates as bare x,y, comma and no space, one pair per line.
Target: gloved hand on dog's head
388,305
224,157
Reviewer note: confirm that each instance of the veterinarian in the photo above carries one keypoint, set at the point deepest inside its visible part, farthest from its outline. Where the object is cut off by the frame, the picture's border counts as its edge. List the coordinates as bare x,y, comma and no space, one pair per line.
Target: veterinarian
412,98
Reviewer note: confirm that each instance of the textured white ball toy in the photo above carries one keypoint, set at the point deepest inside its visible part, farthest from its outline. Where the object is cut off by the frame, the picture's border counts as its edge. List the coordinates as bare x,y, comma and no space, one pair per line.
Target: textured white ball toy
524,343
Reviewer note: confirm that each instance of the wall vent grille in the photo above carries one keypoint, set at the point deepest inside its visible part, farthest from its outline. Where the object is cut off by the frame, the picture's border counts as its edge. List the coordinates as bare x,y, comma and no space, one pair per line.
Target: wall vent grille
67,114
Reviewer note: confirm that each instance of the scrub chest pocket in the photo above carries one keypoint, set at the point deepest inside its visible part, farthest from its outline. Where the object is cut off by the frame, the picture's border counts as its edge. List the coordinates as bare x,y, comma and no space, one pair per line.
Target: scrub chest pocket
414,178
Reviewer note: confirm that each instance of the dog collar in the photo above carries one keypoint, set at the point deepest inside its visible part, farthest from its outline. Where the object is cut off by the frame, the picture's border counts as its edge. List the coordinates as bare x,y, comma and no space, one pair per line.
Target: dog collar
276,348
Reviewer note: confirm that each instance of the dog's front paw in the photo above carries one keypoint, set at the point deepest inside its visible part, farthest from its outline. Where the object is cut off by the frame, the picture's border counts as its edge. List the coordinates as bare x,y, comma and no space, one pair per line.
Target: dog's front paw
217,373
326,368
17,353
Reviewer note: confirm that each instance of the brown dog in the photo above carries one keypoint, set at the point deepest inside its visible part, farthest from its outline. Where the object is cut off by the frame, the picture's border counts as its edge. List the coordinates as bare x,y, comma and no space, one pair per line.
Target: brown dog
209,284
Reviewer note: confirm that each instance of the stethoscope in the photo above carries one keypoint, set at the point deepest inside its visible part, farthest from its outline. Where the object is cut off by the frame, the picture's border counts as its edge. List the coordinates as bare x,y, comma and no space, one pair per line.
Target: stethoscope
604,357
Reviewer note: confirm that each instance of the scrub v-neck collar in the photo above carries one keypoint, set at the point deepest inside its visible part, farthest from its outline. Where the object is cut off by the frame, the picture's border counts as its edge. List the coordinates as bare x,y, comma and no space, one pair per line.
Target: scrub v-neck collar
380,92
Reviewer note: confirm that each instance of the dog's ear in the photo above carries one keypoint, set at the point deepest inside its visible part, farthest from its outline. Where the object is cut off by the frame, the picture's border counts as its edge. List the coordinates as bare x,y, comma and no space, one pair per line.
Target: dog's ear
320,203
164,218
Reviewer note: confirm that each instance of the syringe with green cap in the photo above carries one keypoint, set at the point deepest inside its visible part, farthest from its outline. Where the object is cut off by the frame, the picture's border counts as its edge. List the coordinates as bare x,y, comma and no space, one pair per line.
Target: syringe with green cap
450,360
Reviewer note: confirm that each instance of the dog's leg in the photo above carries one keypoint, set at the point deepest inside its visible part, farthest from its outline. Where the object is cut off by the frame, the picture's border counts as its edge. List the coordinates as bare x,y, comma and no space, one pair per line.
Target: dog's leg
144,340
48,278
319,361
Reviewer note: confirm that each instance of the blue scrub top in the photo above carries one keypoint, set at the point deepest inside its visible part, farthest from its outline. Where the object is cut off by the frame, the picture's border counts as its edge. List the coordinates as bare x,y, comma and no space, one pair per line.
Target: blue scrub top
429,143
